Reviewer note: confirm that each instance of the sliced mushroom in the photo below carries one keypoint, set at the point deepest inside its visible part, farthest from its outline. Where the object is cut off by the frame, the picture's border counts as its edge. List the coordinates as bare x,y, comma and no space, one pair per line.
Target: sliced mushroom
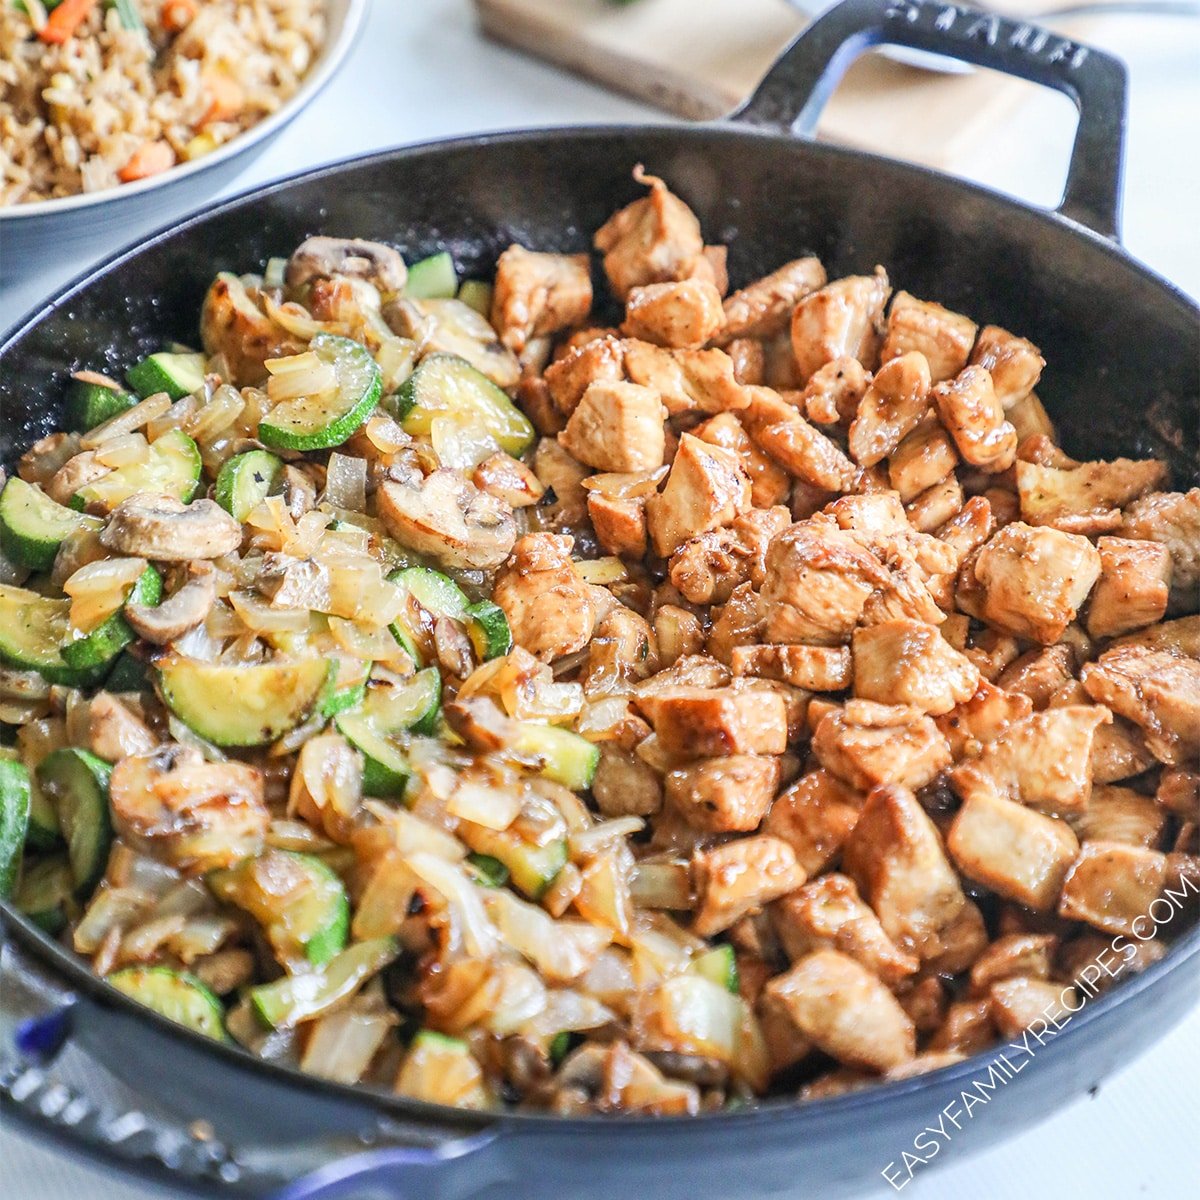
184,610
325,257
450,519
163,529
299,491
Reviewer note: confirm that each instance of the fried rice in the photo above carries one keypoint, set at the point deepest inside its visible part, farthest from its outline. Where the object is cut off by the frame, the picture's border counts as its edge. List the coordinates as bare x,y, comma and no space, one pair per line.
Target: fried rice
109,104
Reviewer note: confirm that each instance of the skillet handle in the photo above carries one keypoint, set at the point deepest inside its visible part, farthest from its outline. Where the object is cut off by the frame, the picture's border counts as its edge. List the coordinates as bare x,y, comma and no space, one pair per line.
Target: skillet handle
797,87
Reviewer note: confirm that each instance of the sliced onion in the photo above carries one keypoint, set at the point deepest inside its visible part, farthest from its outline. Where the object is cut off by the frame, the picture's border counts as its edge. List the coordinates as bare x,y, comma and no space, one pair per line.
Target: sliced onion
604,895
292,317
111,908
588,843
610,978
661,885
124,450
461,441
600,720
462,899
567,1011
142,943
346,482
217,415
383,906
141,414
201,936
561,950
259,616
489,805
519,996
286,834
341,1044
622,486
404,831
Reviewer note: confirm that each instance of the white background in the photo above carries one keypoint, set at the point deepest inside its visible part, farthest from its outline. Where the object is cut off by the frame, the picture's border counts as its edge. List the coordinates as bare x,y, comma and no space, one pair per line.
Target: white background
420,72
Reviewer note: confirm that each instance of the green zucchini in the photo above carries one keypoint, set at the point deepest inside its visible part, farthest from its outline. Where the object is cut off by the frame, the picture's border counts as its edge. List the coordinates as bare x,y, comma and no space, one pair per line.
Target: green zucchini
43,832
32,526
346,686
718,965
432,278
45,891
490,872
97,649
477,295
178,375
171,468
487,627
245,481
77,783
129,674
33,631
14,822
91,404
433,591
176,995
531,867
318,423
557,754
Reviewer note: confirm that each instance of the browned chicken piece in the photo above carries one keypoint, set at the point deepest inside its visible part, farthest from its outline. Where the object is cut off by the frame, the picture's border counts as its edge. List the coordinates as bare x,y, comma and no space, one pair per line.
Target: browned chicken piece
599,360
617,427
694,671
1042,760
868,744
687,380
813,668
943,337
879,521
841,320
1029,955
652,240
1029,418
816,582
1179,792
1118,749
678,632
625,785
535,401
1014,364
620,524
549,608
1172,518
795,702
232,324
724,795
967,531
1019,853
833,392
677,315
703,722
923,458
844,1010
115,731
896,857
739,877
815,816
1039,674
509,479
974,418
621,650
707,568
748,358
1035,580
706,489
1181,636
1043,450
929,511
894,403
769,483
765,306
1119,814
739,622
47,456
979,720
967,1027
1020,1002
800,449
924,1000
1086,498
829,914
1156,689
564,504
907,662
1133,589
1111,886
538,294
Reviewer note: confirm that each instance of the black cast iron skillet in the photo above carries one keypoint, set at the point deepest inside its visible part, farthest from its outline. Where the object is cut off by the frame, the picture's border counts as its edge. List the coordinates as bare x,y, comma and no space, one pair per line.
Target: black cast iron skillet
1123,351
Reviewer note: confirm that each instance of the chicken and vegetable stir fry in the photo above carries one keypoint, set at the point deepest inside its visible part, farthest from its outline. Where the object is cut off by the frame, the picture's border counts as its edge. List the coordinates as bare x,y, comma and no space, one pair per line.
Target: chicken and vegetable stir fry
437,687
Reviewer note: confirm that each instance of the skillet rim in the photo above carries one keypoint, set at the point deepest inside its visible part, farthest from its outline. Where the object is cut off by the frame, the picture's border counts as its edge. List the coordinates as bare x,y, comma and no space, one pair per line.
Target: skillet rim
1183,950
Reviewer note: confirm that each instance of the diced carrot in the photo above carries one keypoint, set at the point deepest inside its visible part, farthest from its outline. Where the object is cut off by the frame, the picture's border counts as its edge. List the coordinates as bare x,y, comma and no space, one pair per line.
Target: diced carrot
177,15
150,158
227,99
64,20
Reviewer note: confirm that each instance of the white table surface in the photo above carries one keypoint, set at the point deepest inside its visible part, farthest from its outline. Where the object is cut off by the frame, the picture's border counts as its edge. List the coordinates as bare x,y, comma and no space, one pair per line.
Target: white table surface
421,72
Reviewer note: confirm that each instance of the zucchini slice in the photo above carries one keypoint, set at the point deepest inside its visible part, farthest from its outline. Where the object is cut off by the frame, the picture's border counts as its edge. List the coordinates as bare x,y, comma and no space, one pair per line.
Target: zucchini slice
45,890
432,278
487,627
295,998
241,706
95,650
176,995
178,375
442,1070
299,901
33,631
476,294
319,422
172,468
91,404
77,783
433,591
558,754
346,686
14,822
445,384
718,965
489,871
43,832
532,868
32,526
245,481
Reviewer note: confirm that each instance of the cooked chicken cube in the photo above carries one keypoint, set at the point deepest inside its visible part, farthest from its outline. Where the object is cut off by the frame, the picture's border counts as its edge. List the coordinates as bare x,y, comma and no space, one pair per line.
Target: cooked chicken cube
625,785
741,877
942,337
895,402
1085,498
725,795
739,622
748,358
1029,955
765,306
617,427
1020,854
509,479
1035,580
925,1002
600,360
907,662
972,414
1119,814
652,240
841,320
1029,418
829,914
537,294
815,816
620,523
929,511
833,392
976,722
707,568
1014,364
844,1010
800,449
703,722
1020,1002
564,503
967,1027
813,668
1172,518
549,608
1156,689
679,315
678,632
706,489
969,530
687,380
1133,589
897,859
769,482
868,744
1181,636
923,458
1111,886
1039,674
1179,792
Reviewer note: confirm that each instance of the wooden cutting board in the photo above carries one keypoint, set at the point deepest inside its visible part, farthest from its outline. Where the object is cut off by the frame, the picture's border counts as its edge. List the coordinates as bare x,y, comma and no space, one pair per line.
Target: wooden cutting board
700,58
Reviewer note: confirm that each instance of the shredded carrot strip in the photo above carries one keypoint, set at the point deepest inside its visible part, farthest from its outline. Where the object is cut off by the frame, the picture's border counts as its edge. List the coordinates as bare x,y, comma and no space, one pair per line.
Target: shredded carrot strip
178,15
150,158
64,20
227,99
